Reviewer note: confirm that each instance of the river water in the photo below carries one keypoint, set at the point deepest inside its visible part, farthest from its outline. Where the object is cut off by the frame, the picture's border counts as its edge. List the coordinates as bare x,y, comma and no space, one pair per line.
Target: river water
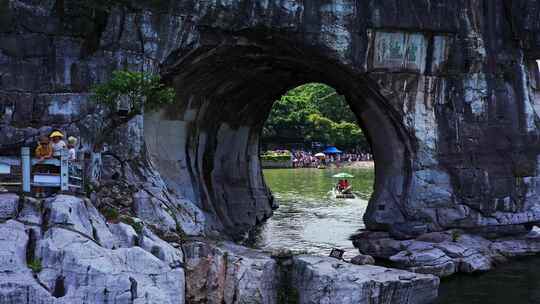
309,221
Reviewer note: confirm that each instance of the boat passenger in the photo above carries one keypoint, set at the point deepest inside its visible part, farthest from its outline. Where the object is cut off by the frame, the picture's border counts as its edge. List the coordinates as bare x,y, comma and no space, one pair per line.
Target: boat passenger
341,184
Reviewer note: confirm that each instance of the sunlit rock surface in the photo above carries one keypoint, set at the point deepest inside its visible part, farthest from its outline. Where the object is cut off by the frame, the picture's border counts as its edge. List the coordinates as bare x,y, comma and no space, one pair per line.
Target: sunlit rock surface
326,280
74,258
228,273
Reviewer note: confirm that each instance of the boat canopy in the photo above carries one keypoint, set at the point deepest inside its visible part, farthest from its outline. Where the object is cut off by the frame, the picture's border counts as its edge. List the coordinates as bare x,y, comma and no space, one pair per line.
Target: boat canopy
343,175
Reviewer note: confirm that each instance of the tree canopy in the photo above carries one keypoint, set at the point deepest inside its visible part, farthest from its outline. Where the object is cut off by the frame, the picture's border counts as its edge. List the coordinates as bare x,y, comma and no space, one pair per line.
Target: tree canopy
314,112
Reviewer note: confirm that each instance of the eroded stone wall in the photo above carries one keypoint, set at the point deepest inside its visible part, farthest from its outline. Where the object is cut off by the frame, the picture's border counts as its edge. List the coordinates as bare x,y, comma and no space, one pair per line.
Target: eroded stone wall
446,90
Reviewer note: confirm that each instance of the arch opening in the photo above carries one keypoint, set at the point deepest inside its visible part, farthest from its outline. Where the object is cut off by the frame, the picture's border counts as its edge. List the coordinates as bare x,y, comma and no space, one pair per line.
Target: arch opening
303,123
225,93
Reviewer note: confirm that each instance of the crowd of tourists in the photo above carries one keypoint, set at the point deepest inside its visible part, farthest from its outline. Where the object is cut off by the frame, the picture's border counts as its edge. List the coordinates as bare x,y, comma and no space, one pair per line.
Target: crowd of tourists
306,159
52,146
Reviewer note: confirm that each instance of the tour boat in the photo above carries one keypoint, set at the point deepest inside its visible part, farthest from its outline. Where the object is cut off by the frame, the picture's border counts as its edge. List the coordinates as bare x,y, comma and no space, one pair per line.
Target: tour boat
342,190
336,194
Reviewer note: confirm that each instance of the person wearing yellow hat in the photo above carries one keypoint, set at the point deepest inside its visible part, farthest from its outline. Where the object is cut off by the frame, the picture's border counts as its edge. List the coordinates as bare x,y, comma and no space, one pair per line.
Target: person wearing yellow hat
58,144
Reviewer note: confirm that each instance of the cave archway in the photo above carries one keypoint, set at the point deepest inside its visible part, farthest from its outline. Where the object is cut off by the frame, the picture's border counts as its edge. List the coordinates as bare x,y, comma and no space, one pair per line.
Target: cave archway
207,145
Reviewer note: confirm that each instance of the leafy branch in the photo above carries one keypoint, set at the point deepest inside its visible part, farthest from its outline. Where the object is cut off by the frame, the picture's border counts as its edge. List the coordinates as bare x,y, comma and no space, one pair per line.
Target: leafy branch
137,91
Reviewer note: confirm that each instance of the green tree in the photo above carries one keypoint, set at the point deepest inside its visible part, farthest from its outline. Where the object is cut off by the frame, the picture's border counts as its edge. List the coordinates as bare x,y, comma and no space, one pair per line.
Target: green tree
315,112
141,91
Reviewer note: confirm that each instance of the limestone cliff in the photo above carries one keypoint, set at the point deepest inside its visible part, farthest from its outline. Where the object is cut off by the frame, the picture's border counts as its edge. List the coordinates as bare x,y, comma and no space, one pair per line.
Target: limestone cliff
447,92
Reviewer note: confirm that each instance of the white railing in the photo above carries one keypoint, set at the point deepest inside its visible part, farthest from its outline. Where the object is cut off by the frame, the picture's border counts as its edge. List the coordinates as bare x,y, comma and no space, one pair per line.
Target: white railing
17,172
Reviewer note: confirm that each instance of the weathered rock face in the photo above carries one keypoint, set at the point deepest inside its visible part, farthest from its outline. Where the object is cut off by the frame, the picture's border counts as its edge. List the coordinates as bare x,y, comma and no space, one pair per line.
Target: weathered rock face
446,253
325,280
447,91
228,273
66,253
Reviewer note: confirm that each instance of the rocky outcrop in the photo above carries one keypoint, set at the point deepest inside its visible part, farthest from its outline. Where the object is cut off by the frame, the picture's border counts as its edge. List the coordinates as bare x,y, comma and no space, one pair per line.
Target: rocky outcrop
447,93
327,280
446,253
227,273
65,253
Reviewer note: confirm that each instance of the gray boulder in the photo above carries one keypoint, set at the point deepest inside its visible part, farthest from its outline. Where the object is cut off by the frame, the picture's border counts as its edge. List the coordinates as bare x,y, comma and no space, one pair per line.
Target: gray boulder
448,252
9,206
325,280
78,270
161,249
30,212
425,260
125,234
73,260
17,284
363,259
226,273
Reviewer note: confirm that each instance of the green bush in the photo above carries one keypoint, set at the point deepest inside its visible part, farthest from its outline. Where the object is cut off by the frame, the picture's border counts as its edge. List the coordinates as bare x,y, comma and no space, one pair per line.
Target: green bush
35,265
143,89
456,234
110,214
276,156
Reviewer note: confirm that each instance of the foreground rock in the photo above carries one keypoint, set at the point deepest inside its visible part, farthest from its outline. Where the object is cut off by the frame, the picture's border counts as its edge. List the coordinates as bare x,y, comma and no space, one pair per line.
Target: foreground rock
225,273
446,253
327,280
75,258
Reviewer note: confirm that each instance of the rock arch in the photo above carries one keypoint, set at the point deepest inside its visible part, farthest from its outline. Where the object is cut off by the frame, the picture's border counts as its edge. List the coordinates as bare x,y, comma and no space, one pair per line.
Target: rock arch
448,83
226,90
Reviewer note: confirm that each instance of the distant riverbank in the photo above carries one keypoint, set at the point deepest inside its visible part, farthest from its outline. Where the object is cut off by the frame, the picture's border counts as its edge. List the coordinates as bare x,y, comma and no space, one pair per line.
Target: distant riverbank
367,164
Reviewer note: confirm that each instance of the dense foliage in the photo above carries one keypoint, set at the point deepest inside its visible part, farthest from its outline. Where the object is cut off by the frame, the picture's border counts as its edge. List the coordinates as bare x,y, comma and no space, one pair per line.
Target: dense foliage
276,156
314,112
141,89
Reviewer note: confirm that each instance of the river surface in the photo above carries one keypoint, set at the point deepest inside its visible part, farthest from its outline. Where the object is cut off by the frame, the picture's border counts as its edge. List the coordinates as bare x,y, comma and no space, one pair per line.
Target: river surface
307,220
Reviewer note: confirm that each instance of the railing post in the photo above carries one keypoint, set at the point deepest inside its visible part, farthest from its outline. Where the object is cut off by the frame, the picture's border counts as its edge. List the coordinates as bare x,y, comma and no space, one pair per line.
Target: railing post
26,164
64,170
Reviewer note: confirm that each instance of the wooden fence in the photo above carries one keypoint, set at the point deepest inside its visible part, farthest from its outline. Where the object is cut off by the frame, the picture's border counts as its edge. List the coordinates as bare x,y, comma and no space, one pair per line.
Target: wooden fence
25,172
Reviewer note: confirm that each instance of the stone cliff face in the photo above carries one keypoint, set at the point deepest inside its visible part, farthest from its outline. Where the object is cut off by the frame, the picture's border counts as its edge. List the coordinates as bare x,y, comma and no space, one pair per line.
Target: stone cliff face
446,90
62,250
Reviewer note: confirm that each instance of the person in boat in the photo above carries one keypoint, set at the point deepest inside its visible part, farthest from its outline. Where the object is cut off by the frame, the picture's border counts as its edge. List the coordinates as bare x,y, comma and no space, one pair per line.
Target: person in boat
343,186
